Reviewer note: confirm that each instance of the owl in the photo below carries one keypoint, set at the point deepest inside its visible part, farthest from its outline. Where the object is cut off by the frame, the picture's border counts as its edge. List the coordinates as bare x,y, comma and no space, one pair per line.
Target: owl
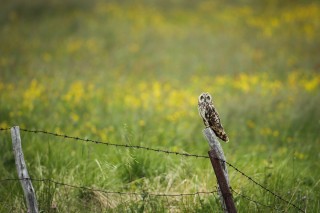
210,116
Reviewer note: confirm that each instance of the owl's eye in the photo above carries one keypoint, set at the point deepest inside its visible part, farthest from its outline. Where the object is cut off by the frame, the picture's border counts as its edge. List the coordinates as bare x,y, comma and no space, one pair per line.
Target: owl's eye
201,97
208,98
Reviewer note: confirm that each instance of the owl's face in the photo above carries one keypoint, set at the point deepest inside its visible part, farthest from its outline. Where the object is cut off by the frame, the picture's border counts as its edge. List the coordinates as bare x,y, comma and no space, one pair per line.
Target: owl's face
205,98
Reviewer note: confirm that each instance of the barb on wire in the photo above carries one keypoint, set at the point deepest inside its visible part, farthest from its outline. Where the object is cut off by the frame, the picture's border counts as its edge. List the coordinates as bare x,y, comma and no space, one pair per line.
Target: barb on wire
4,129
110,192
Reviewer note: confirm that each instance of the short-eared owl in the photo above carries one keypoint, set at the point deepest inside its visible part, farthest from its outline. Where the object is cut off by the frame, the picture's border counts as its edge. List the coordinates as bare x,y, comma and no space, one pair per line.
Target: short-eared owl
210,116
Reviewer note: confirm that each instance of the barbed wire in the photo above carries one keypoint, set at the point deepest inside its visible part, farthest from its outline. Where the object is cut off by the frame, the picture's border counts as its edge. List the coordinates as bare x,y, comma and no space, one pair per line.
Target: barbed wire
143,193
114,144
5,129
254,201
162,151
263,187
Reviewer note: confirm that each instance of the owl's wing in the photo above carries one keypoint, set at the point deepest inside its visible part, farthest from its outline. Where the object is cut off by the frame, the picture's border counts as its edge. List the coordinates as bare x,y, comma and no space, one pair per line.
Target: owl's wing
215,123
212,116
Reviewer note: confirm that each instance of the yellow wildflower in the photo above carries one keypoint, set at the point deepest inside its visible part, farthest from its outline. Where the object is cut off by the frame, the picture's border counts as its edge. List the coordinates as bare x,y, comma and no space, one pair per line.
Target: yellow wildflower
75,93
74,117
251,124
142,123
31,94
312,84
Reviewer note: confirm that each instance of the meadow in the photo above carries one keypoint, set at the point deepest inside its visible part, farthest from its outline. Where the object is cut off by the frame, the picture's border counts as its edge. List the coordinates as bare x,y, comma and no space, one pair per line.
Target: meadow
131,73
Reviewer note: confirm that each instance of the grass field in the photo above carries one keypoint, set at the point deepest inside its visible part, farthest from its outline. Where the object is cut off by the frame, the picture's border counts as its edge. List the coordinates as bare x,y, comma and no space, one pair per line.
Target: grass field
131,73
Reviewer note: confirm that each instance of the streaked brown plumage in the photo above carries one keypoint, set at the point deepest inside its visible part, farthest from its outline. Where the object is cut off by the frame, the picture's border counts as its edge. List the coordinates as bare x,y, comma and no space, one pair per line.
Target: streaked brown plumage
210,116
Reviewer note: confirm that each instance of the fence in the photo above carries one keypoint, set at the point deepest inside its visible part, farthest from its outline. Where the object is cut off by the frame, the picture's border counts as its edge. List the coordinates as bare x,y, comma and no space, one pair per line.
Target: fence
143,199
115,200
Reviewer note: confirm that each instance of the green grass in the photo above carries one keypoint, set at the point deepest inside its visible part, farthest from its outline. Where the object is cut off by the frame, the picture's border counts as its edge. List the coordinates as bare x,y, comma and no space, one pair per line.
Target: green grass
129,73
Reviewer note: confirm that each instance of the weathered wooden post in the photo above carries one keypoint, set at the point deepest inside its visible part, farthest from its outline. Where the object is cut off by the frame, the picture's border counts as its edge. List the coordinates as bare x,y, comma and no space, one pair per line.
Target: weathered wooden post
23,172
217,159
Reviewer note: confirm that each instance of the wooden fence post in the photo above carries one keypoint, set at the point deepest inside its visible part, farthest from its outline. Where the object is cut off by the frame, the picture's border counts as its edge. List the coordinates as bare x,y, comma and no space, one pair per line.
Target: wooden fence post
217,159
23,175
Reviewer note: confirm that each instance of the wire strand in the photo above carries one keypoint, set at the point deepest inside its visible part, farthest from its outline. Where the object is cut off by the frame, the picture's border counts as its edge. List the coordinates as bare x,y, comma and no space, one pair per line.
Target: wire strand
254,201
114,144
109,192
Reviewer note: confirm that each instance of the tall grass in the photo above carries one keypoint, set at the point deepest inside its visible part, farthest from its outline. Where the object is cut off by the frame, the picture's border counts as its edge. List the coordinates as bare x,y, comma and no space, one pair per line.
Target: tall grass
130,73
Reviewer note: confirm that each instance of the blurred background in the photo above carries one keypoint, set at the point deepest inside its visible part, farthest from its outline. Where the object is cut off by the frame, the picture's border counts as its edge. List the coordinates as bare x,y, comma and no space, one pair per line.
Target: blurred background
132,71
